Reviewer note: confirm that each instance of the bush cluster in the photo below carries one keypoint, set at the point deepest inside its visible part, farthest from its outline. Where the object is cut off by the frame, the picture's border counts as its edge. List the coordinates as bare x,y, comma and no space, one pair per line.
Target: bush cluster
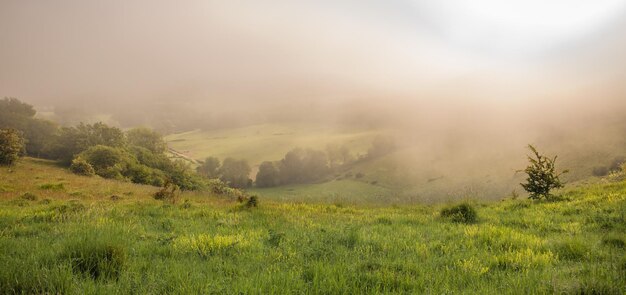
462,213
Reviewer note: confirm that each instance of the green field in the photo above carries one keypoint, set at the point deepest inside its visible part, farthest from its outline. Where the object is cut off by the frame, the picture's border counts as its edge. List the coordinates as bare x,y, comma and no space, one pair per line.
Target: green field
266,142
70,236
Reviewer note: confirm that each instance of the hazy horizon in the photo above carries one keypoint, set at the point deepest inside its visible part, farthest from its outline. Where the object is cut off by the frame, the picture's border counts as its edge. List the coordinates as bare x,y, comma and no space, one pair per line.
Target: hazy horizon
238,53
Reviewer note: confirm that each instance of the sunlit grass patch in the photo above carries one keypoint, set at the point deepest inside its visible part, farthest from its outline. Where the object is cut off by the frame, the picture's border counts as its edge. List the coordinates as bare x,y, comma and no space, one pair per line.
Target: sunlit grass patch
207,245
472,266
523,260
501,238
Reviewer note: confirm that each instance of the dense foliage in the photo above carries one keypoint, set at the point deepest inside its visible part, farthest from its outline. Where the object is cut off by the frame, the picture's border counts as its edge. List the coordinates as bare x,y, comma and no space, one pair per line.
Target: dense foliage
37,133
11,146
137,155
209,168
461,213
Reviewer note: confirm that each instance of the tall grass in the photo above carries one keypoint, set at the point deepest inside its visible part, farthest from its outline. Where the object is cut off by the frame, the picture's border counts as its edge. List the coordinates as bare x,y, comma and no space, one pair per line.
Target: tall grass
137,245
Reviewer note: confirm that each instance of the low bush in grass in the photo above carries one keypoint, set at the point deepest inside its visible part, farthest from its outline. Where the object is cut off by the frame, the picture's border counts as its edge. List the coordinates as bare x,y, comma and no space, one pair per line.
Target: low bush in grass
461,213
96,258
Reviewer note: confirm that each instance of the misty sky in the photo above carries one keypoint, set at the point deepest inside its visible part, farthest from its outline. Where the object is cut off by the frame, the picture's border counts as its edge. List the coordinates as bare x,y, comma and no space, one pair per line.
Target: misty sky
267,51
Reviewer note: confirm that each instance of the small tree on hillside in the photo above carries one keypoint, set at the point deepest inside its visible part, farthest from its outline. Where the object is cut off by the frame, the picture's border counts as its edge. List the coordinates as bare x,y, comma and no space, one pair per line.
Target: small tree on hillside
542,175
209,168
11,146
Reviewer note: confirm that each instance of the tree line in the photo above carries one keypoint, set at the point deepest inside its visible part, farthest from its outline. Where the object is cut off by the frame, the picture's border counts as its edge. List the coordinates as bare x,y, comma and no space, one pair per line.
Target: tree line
296,167
137,155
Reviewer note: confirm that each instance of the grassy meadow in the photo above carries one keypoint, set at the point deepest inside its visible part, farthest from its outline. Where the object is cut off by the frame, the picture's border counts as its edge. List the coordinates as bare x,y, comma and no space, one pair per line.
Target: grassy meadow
67,234
266,142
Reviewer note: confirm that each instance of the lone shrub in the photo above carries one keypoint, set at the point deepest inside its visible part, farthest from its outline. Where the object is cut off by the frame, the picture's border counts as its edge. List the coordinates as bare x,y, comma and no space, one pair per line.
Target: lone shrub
542,176
11,146
462,213
82,167
97,259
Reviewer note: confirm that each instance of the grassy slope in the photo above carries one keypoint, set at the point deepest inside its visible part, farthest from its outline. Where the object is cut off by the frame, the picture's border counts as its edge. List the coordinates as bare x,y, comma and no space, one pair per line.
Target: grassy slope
266,142
409,174
213,246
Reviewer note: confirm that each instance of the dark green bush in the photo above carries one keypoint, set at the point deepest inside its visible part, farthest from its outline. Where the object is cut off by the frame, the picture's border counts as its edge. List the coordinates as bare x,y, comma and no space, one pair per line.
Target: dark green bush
11,146
81,167
253,201
462,213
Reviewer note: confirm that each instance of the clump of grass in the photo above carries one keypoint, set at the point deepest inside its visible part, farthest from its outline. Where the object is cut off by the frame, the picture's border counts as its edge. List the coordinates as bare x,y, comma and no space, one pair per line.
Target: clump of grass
275,238
52,186
96,259
384,220
614,241
5,188
462,213
571,250
29,196
186,204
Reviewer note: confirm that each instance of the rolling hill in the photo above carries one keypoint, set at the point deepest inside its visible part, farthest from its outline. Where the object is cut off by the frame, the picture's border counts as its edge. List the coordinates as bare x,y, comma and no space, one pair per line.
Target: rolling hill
68,235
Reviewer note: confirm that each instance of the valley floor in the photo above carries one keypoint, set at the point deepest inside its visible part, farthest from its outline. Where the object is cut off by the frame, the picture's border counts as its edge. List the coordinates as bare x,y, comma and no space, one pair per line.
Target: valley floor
83,235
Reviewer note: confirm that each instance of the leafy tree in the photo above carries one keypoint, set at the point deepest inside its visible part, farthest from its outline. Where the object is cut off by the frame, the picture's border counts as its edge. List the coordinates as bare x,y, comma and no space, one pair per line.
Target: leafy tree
291,167
74,140
37,133
146,138
209,168
542,175
235,172
12,110
11,146
300,166
268,175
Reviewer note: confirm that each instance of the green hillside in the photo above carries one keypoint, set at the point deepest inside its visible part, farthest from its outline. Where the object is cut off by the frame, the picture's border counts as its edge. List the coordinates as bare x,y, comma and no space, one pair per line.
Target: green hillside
70,236
266,142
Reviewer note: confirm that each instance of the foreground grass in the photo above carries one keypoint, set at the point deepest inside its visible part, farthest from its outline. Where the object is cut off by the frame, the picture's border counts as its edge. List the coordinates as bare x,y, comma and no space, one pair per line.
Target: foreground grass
57,241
